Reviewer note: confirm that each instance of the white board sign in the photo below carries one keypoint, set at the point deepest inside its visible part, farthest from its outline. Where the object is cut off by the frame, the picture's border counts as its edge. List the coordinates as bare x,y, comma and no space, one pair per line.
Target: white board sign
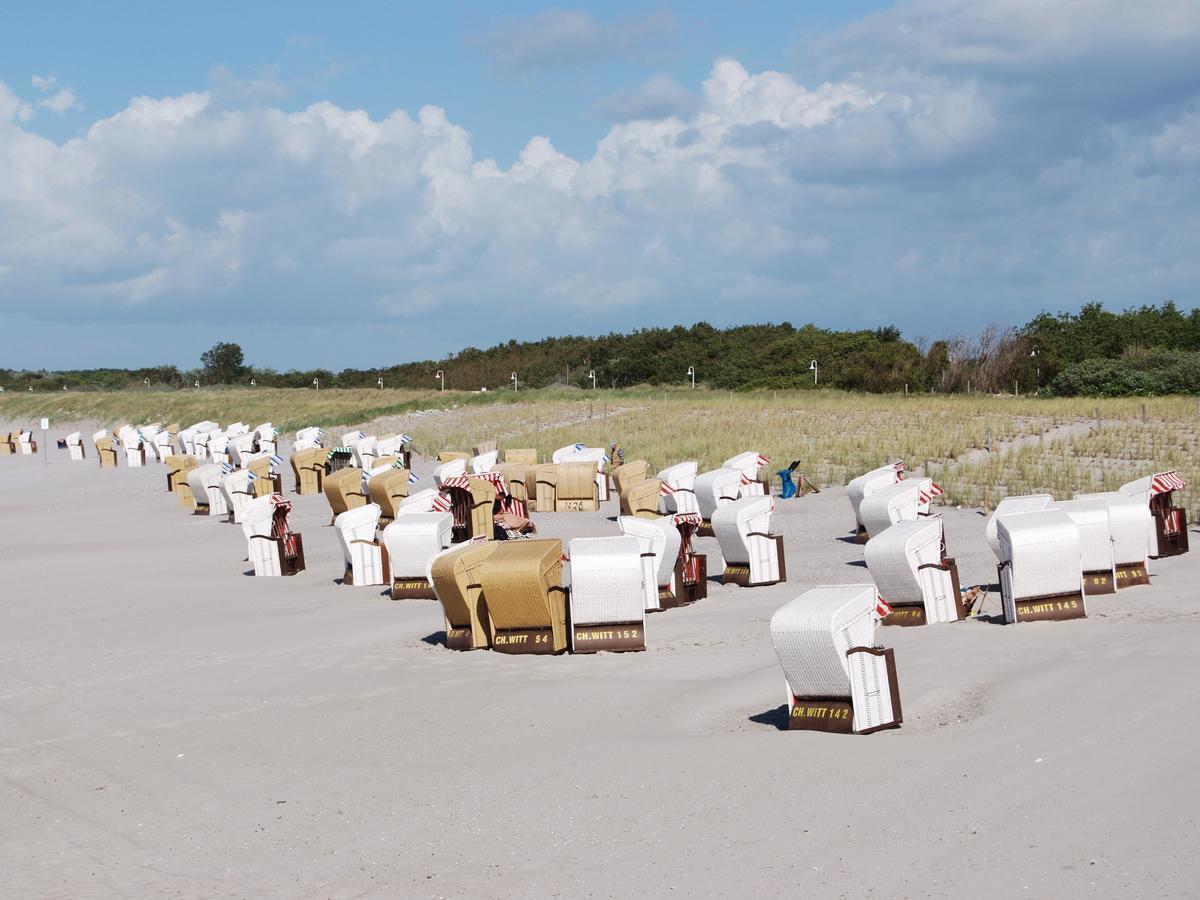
45,424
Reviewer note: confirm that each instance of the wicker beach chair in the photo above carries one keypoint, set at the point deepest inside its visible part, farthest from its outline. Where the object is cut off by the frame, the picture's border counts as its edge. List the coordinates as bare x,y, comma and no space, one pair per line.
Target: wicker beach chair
578,453
484,462
716,489
423,501
239,446
272,547
412,541
575,488
1170,521
526,602
365,452
457,578
749,466
864,485
913,575
344,491
387,488
1133,530
524,456
309,468
26,444
541,487
1095,543
628,474
659,544
903,501
679,487
1010,506
237,491
105,451
607,598
162,444
514,476
205,483
1041,567
357,534
75,446
453,468
265,439
177,471
753,555
641,499
473,503
310,438
837,679
131,444
446,456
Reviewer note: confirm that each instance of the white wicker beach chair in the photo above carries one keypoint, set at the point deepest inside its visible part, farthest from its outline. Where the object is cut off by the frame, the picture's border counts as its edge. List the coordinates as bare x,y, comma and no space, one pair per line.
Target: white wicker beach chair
679,487
364,451
447,470
237,491
350,438
1009,506
264,438
1041,567
716,489
1132,526
308,439
131,443
747,465
658,542
866,484
190,437
837,679
236,429
363,553
214,445
272,548
1170,521
75,446
412,541
606,599
1095,543
903,501
239,445
913,575
390,445
162,444
424,501
484,462
205,482
753,555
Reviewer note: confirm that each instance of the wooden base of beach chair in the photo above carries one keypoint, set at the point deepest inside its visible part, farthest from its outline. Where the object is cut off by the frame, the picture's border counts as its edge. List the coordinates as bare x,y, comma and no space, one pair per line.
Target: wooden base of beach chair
200,509
464,639
689,592
1132,574
612,637
526,640
1055,608
1099,583
861,536
1171,543
579,505
833,716
384,563
740,574
705,529
415,588
905,615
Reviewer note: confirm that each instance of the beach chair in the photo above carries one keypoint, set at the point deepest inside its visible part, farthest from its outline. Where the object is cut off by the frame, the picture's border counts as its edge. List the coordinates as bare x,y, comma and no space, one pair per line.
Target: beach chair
837,679
365,452
178,468
514,476
914,577
484,462
131,444
713,490
162,444
105,452
272,547
366,561
310,438
748,465
1133,529
204,481
446,456
541,485
1009,506
344,490
236,488
426,500
903,501
679,487
526,602
238,446
457,578
576,488
265,436
264,468
628,474
8,444
412,541
1041,567
75,446
753,555
641,499
864,485
387,488
1095,543
26,443
453,468
1170,521
309,468
578,453
521,456
658,545
473,502
607,598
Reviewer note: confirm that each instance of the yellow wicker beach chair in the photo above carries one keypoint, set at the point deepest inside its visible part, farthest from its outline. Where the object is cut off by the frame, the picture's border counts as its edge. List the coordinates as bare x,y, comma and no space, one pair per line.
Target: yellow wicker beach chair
449,455
456,578
309,468
576,489
629,474
526,603
344,490
641,499
387,489
526,457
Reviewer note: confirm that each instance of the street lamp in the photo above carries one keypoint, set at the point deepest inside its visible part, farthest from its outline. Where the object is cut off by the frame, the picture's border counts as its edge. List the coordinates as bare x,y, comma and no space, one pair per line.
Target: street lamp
253,382
513,378
592,375
692,375
380,382
1037,354
441,377
146,382
813,368
197,385
316,383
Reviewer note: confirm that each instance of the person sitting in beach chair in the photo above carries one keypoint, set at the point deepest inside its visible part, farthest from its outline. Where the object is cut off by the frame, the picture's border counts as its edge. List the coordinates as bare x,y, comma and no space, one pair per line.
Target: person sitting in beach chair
913,575
837,679
1041,567
606,598
753,555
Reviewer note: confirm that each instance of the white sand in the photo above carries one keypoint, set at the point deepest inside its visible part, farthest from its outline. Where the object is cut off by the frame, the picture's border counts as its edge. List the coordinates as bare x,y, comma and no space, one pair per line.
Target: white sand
170,726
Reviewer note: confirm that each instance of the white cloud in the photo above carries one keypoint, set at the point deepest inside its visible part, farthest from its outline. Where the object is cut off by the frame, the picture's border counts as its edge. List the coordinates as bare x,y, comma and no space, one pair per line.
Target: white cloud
62,100
659,97
559,38
43,83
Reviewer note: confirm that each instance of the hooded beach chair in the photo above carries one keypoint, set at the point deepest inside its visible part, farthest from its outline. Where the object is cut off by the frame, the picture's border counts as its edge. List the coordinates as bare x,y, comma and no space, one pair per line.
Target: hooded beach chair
716,489
446,456
272,547
484,462
239,446
641,499
162,444
75,446
1041,567
1133,529
26,443
523,456
1170,522
473,503
310,438
903,501
265,439
576,488
607,597
525,599
425,500
753,555
1009,506
8,444
309,468
457,578
453,468
578,453
751,482
913,575
236,488
837,679
515,477
412,542
205,482
344,490
387,488
679,487
864,485
628,474
357,533
1095,543
659,545
131,443
365,452
541,486
237,429
106,453
178,468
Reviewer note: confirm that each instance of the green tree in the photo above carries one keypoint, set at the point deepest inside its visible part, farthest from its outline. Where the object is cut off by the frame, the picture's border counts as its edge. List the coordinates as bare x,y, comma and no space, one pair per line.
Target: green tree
223,362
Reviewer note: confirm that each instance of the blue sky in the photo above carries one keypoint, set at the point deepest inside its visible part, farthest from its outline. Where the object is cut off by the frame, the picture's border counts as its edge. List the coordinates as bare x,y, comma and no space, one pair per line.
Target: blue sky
372,183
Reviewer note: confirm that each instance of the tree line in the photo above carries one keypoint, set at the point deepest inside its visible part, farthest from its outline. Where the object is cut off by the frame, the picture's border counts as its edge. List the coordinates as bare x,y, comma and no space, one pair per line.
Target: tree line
1144,350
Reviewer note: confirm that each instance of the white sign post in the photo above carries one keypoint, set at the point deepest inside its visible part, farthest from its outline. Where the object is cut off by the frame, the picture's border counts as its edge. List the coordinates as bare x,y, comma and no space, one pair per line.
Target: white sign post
45,428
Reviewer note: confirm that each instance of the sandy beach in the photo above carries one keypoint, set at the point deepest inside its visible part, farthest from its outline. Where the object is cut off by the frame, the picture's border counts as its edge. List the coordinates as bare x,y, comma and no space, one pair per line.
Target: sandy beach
170,726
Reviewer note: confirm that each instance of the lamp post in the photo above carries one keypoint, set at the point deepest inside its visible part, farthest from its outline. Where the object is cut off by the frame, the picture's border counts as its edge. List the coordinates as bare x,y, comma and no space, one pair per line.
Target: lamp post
1037,355
317,383
197,384
441,377
380,382
813,368
253,382
513,378
692,375
592,375
146,382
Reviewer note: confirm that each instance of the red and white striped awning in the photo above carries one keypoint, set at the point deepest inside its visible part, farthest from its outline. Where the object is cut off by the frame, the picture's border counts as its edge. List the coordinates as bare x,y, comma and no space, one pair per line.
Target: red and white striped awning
1165,482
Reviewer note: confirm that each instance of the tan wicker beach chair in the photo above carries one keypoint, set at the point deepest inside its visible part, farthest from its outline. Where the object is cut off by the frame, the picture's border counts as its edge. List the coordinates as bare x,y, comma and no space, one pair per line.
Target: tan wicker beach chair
575,488
388,488
450,455
309,468
344,491
526,602
456,576
627,475
176,470
641,499
523,456
105,451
